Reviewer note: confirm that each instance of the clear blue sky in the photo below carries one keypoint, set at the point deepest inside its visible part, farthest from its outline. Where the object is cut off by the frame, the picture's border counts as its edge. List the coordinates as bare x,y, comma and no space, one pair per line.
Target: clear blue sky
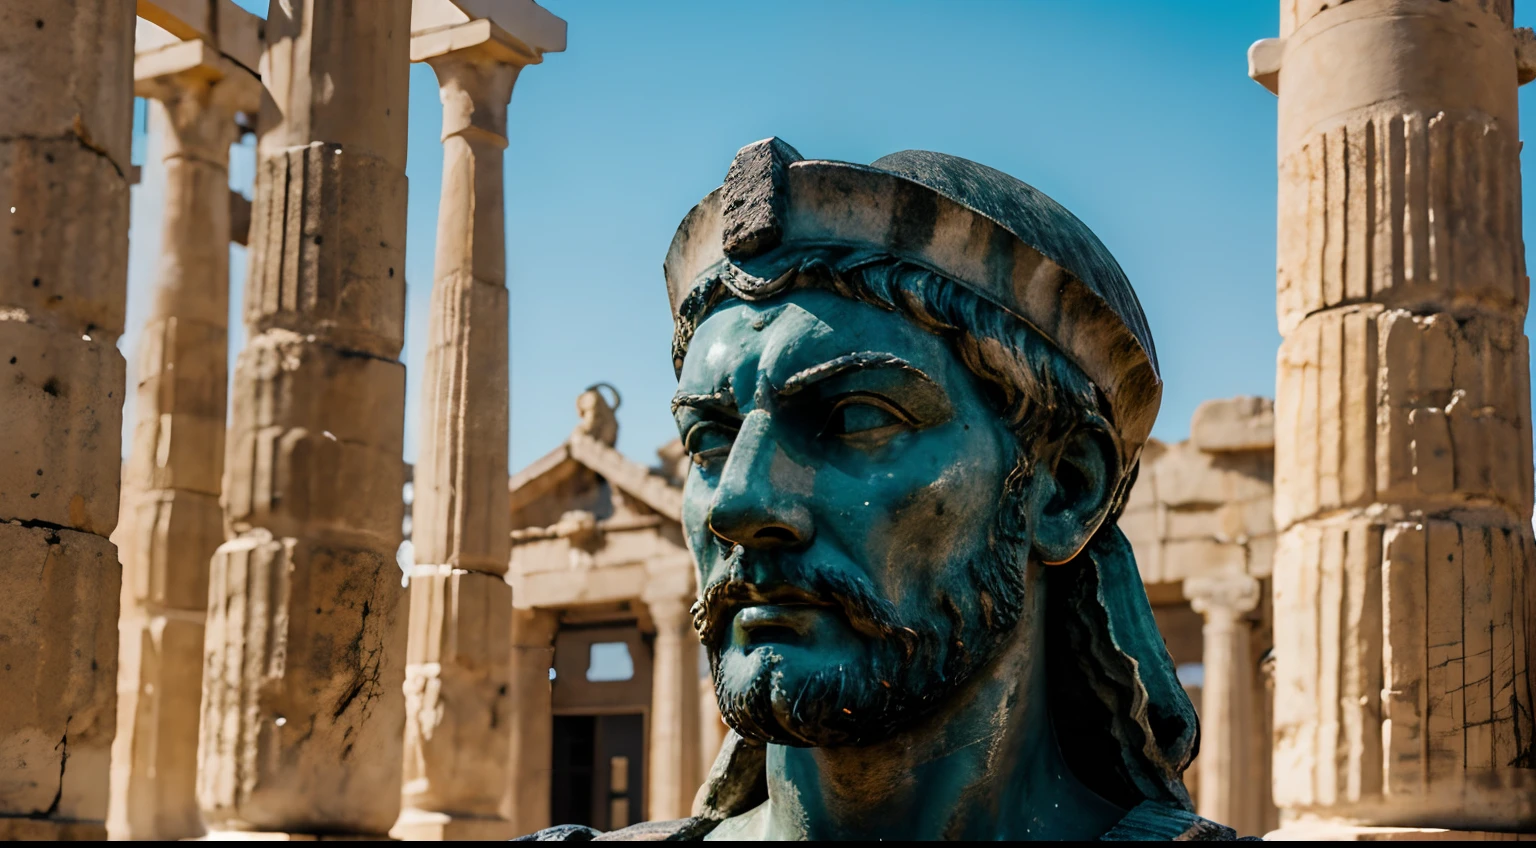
1136,116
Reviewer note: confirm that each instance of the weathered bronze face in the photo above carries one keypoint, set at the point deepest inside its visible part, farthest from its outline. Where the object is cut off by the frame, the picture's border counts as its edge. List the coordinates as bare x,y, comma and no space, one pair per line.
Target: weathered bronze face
843,509
915,394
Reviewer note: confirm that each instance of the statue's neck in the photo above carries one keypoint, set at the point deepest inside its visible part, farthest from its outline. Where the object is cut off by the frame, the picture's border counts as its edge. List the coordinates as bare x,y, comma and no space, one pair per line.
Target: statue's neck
987,766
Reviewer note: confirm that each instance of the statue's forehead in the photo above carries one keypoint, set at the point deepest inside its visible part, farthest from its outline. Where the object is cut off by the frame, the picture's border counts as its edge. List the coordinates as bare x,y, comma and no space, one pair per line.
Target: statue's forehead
741,340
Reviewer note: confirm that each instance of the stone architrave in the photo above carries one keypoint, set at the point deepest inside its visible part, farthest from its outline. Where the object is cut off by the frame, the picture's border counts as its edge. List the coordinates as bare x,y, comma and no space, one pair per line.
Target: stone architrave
65,128
456,768
675,768
302,711
1402,577
172,522
1227,792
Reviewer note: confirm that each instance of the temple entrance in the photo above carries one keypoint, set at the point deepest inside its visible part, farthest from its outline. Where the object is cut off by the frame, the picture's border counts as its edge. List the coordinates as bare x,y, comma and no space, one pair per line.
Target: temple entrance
599,770
601,698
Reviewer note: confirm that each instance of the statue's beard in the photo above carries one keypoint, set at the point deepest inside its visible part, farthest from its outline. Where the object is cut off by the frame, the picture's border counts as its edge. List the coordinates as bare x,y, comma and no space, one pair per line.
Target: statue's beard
911,662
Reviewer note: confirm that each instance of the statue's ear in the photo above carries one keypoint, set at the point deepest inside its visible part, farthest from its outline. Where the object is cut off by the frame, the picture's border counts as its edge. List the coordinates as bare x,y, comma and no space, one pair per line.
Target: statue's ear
1071,496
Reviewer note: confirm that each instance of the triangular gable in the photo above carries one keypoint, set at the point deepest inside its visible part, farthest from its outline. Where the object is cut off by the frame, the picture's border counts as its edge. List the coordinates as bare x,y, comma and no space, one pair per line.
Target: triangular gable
539,479
629,476
583,451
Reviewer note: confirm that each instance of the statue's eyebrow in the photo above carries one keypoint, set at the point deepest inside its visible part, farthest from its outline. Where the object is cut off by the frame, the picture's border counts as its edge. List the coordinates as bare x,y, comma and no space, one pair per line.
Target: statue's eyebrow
720,400
864,360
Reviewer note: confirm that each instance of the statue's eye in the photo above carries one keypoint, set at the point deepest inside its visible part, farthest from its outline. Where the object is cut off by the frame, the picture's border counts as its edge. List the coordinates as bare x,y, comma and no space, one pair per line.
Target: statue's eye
708,441
862,416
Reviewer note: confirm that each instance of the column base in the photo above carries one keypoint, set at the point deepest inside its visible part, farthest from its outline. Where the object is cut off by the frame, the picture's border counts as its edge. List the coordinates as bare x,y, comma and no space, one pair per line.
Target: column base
1326,831
423,826
51,830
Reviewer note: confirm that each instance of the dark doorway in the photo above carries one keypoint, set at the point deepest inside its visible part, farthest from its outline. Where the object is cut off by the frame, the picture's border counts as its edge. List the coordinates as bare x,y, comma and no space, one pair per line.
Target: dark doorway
570,791
599,770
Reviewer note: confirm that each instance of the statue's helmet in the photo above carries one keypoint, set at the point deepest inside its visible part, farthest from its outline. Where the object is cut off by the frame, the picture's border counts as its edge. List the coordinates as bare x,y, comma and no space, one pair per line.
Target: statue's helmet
1122,718
995,235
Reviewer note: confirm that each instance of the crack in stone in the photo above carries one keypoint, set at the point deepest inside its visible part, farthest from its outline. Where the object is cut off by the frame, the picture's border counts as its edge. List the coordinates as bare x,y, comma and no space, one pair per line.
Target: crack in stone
366,683
77,134
63,761
37,524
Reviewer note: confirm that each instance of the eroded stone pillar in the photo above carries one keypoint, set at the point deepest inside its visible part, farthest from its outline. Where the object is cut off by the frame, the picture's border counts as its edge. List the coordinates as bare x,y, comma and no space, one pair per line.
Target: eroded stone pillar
532,719
65,117
1227,711
1402,582
457,695
674,768
171,522
302,708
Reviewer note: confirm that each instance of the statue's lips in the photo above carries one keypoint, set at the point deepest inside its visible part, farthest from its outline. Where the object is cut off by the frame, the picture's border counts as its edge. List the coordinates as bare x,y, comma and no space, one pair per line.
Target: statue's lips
758,623
748,614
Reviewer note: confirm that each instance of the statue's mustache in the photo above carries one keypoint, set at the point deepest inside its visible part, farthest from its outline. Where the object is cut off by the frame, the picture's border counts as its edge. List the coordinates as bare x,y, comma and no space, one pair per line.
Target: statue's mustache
786,580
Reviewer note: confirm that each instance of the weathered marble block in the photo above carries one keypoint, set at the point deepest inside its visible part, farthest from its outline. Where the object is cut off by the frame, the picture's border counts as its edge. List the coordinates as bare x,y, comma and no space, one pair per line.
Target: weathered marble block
314,441
457,691
317,270
301,720
171,533
61,414
58,668
65,248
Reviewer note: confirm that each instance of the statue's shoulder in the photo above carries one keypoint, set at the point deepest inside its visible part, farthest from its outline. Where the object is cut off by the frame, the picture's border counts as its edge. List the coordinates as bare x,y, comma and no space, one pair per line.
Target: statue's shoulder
676,830
1149,821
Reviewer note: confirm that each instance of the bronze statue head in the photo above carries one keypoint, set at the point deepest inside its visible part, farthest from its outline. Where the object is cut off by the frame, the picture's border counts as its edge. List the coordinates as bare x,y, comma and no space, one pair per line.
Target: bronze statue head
915,394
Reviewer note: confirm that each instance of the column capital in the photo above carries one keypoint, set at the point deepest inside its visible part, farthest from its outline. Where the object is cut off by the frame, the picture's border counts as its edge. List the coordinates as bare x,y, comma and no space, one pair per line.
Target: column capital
477,64
534,627
169,72
669,610
198,91
1264,57
1525,55
236,32
478,41
1231,593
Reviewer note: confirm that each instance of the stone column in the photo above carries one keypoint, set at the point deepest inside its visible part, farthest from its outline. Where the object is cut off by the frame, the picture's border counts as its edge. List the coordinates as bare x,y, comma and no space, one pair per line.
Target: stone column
456,771
1227,711
65,115
674,760
1402,582
532,719
171,522
302,708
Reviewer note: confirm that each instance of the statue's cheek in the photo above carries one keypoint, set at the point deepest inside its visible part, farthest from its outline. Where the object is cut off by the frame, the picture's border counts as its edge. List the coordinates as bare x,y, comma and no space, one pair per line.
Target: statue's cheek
696,500
935,522
948,514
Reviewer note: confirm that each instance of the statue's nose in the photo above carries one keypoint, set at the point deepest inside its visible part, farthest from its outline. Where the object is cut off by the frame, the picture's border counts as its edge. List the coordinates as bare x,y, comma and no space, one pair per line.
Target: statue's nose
761,499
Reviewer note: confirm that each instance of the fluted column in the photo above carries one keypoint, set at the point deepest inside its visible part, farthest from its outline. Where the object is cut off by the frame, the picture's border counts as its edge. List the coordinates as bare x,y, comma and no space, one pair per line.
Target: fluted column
302,713
531,719
1227,711
65,116
171,522
673,756
1403,481
457,688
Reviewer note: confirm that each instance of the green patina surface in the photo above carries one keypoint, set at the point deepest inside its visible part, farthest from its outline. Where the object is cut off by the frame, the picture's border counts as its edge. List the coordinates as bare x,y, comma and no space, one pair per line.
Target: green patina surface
921,620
